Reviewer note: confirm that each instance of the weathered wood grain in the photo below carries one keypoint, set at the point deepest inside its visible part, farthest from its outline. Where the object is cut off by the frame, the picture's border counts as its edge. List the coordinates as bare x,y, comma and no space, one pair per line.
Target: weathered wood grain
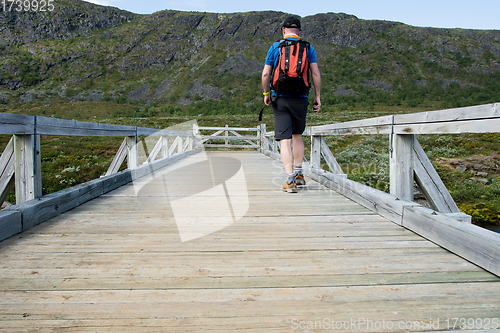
176,145
229,137
156,151
315,159
378,125
132,152
31,125
472,119
238,129
115,282
142,131
402,167
27,168
147,168
331,161
430,183
117,263
478,112
469,241
17,124
40,210
467,126
426,224
380,202
119,158
7,169
64,127
37,211
10,224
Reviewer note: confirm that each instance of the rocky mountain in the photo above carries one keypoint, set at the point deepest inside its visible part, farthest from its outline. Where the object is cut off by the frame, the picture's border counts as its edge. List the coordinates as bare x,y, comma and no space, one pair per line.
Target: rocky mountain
85,52
67,19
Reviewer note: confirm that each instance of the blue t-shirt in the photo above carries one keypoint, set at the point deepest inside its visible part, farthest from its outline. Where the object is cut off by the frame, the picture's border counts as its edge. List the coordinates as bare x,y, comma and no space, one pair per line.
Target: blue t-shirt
273,56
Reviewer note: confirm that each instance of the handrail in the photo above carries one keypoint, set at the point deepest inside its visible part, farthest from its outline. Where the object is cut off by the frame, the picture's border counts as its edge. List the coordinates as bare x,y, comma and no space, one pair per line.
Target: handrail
228,134
26,142
408,160
20,164
16,124
444,224
473,119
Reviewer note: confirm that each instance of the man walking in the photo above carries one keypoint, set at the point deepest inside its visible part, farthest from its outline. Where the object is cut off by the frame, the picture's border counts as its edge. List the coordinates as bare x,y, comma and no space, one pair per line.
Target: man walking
290,108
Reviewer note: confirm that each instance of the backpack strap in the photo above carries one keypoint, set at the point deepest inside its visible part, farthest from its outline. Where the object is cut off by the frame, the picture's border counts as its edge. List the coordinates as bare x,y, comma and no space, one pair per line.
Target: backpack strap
287,59
299,60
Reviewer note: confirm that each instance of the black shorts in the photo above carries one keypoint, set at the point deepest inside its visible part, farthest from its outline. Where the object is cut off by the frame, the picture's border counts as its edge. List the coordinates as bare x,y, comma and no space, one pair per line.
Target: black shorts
289,116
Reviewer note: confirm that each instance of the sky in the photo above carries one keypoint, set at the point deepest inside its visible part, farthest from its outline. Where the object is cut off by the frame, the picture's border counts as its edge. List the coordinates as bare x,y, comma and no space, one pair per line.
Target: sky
466,14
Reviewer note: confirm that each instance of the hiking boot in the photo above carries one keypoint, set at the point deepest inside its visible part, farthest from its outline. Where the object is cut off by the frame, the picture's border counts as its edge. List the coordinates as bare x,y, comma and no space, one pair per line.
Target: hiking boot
299,179
290,187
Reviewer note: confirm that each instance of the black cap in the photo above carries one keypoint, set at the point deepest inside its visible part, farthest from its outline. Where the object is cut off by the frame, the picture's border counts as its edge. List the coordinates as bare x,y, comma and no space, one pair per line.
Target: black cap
292,22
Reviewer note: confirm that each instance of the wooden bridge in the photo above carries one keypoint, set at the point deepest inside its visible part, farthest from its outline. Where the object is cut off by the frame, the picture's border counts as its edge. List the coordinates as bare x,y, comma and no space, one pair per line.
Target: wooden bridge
207,241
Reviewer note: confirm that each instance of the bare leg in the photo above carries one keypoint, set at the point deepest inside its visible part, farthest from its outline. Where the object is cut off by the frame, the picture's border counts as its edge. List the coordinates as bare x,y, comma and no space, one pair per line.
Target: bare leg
298,149
287,155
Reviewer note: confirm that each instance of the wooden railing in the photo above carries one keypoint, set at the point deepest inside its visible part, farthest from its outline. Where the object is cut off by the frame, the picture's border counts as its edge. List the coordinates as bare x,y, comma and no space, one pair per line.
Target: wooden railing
444,224
223,137
20,165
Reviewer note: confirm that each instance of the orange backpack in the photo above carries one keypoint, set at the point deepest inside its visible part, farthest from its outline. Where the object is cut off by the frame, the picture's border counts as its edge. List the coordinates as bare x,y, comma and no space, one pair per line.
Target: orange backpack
291,75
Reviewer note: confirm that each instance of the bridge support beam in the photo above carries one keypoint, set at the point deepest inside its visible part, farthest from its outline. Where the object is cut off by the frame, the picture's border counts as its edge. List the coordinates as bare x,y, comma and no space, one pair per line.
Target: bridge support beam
28,176
164,147
264,140
402,166
319,148
133,152
7,164
316,151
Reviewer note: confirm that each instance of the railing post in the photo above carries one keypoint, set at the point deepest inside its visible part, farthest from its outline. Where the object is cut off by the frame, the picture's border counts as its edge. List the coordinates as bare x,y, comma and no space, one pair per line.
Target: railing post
28,176
316,151
180,143
263,139
133,152
401,166
226,134
196,132
259,136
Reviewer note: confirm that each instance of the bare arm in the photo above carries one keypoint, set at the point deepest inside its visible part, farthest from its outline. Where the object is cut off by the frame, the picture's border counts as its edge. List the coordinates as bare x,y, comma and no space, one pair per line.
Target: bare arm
316,79
266,76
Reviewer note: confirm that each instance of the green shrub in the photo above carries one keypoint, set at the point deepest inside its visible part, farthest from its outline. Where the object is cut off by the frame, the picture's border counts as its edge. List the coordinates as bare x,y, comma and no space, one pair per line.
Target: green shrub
365,164
482,213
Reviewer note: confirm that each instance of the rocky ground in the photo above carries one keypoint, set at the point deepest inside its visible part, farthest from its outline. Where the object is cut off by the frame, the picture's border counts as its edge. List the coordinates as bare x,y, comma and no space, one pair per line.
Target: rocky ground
480,167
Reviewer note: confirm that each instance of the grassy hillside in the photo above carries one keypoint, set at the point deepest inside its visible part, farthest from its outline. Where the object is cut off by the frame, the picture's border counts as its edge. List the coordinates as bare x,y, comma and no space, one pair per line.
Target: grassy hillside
212,62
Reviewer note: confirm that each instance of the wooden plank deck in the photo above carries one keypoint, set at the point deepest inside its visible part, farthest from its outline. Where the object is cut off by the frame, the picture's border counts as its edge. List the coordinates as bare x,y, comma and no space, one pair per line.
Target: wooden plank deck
295,262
